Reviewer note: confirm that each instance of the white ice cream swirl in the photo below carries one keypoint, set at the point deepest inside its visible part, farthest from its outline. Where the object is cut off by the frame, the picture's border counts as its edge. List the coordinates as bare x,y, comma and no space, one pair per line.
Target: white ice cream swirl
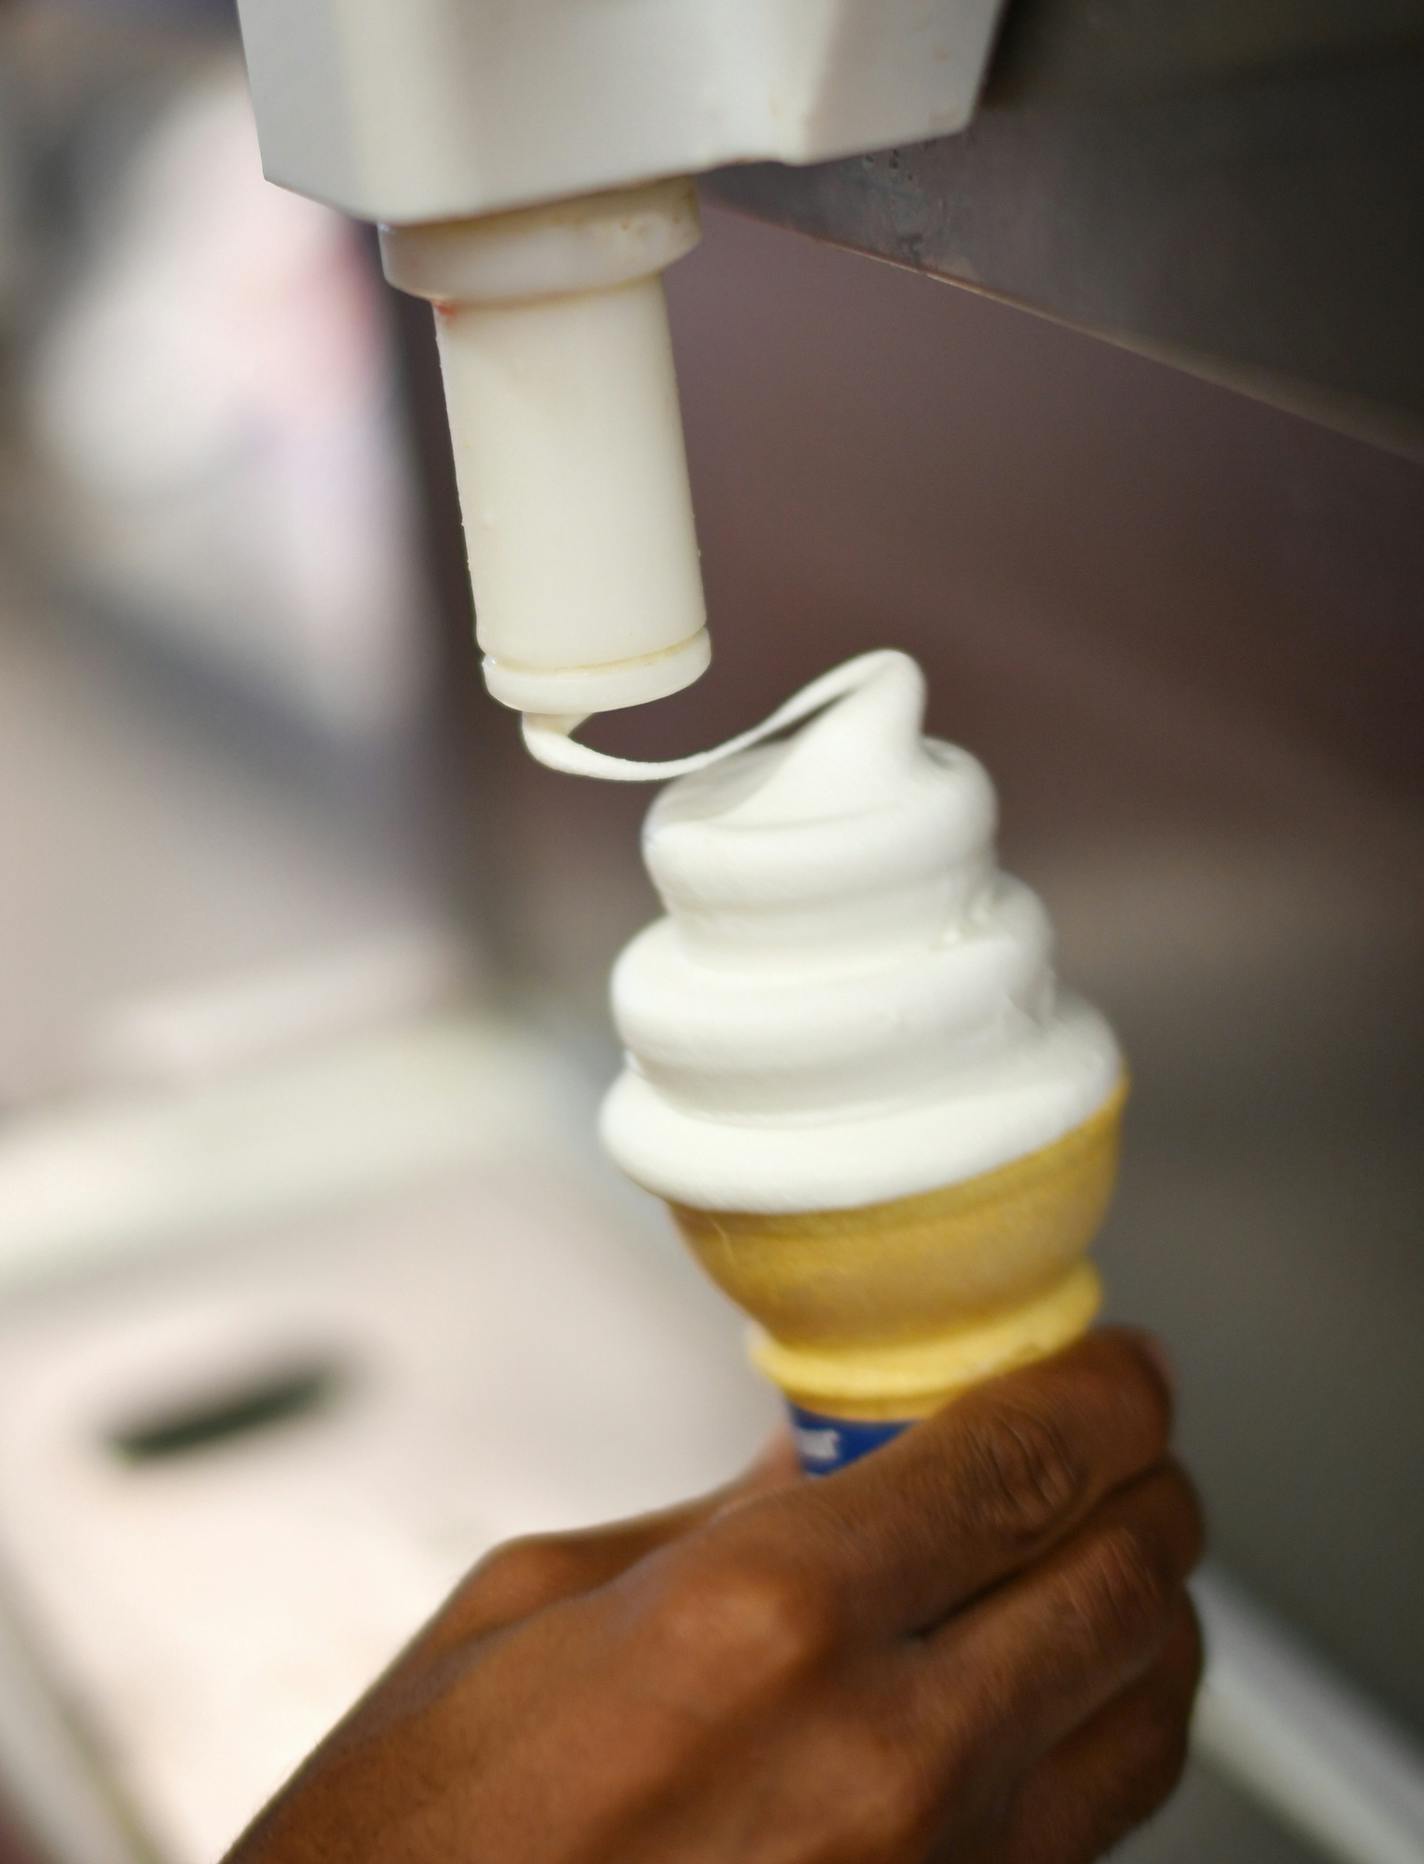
847,1002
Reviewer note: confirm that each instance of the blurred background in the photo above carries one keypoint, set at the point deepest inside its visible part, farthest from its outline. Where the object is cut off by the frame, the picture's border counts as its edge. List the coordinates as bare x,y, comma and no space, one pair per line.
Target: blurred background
312,1283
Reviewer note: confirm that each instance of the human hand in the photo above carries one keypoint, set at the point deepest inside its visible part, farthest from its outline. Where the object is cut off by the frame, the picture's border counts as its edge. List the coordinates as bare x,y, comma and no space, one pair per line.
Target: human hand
975,1644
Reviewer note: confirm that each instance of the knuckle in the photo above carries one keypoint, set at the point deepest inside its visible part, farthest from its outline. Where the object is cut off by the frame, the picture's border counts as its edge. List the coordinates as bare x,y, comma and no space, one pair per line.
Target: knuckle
1027,1472
1148,1757
744,1622
1162,1759
1148,1771
1191,1514
1165,1774
1143,1382
1124,1587
882,1805
522,1575
1190,1649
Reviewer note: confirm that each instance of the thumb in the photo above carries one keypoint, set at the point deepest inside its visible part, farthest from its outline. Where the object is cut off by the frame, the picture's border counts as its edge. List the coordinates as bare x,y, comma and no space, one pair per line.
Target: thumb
528,1575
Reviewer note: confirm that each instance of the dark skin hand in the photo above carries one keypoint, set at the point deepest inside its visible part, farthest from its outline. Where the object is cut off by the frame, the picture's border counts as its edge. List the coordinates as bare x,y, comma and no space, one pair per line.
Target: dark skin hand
974,1645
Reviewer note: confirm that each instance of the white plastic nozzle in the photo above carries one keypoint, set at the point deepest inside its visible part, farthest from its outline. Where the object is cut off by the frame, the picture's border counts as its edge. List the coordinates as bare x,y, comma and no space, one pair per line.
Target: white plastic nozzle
563,409
453,120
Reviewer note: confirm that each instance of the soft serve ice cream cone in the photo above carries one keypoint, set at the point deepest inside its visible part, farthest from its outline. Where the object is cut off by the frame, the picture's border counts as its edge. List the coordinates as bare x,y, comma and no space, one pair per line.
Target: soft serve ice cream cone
882,1129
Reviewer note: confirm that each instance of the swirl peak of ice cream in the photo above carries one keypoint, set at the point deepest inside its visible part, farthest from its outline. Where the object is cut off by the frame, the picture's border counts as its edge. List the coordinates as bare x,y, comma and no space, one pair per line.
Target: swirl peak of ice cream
847,1002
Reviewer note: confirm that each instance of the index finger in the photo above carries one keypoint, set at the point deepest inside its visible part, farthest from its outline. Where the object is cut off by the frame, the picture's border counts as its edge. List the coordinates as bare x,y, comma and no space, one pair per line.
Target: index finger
984,1487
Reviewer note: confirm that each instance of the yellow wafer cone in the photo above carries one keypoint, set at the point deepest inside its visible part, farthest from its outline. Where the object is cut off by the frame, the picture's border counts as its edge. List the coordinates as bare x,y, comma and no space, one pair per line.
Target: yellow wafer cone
869,1318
